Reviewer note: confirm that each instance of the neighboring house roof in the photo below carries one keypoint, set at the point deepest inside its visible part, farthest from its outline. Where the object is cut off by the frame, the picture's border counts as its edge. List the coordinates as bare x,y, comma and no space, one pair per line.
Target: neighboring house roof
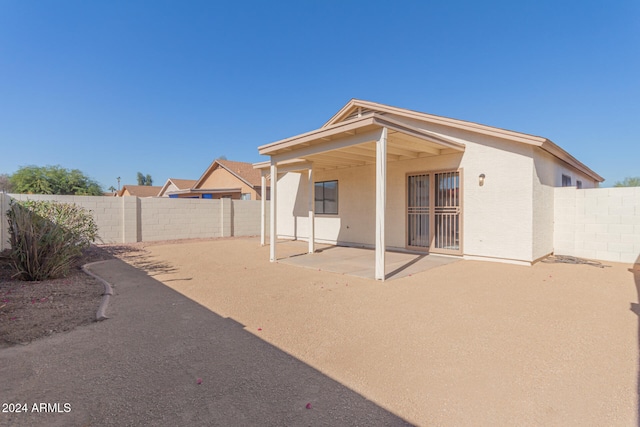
181,184
243,171
359,116
141,190
207,191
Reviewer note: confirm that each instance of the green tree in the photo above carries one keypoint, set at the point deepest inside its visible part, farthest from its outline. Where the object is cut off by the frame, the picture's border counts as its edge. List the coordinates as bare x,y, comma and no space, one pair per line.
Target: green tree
53,180
144,180
628,182
112,189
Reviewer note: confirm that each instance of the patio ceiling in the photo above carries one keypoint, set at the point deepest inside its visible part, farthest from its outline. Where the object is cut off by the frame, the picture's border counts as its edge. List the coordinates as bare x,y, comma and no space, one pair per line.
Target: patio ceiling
353,143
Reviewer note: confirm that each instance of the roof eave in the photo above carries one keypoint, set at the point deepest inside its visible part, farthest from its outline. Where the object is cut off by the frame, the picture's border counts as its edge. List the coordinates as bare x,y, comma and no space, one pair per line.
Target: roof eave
441,120
556,151
370,120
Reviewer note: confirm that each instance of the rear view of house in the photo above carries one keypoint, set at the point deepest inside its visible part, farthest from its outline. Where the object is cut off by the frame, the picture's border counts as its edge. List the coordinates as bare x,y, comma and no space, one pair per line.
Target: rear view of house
390,178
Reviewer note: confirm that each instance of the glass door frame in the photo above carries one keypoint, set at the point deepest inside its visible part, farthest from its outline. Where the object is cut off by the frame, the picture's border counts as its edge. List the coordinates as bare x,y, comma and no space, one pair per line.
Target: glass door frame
432,212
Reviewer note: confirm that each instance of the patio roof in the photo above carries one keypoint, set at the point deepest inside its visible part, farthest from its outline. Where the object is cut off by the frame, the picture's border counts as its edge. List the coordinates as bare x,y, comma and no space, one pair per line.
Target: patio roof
369,139
353,143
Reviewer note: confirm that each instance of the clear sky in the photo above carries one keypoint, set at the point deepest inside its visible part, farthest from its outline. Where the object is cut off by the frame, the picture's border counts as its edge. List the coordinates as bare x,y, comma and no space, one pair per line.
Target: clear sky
165,87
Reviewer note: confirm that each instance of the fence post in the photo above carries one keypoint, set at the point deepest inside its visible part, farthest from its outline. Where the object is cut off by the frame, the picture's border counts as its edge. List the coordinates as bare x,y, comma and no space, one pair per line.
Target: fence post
225,217
4,232
130,219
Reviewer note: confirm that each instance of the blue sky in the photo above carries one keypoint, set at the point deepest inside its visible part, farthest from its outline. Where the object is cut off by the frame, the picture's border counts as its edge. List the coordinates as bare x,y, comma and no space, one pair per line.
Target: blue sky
165,87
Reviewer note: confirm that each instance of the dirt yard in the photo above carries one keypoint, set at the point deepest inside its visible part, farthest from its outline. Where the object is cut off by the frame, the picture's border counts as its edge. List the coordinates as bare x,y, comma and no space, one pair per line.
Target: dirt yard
468,343
32,310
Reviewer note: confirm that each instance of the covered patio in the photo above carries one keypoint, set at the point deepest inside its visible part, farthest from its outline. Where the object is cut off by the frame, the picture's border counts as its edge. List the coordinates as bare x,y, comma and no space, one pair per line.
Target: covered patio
365,138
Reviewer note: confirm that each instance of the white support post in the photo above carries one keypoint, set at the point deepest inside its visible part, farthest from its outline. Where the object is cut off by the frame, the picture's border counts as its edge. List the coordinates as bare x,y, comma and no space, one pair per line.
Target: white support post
263,208
273,221
312,234
381,203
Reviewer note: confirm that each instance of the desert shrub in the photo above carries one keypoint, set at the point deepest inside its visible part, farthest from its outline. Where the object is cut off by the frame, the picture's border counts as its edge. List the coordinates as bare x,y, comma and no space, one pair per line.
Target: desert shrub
47,237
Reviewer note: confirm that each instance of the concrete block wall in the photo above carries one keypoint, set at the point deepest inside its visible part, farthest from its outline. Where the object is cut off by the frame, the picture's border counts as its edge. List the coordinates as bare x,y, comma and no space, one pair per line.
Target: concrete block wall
131,219
166,219
598,223
106,211
4,226
246,217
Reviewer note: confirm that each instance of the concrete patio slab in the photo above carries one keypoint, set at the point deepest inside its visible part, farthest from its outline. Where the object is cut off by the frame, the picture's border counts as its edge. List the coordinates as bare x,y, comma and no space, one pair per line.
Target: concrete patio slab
358,262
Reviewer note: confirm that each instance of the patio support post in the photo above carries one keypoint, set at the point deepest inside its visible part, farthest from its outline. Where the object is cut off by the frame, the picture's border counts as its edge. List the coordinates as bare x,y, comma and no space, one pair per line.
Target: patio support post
381,203
273,220
263,208
312,234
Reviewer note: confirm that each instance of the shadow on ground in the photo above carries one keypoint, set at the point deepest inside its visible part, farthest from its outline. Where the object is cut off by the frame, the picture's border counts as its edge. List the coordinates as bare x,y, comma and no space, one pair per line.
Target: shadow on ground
135,255
635,307
141,367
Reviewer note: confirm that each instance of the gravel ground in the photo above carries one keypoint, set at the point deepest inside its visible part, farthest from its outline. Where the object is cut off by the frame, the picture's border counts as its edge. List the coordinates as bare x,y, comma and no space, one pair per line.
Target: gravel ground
469,343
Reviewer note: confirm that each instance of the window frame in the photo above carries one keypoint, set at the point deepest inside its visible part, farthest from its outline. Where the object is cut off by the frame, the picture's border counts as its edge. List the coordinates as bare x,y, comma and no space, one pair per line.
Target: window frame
566,181
324,199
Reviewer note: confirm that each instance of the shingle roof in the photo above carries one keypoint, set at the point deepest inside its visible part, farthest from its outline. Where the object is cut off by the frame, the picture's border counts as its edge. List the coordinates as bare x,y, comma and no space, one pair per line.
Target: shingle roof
243,170
141,190
183,184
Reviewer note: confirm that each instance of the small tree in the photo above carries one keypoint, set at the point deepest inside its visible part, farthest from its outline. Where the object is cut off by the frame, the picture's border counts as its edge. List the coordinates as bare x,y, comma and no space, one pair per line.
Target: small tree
628,182
47,237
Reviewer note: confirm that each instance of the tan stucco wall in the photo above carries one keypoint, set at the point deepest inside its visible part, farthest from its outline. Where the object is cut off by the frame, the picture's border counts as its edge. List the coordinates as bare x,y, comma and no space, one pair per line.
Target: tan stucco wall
171,187
222,178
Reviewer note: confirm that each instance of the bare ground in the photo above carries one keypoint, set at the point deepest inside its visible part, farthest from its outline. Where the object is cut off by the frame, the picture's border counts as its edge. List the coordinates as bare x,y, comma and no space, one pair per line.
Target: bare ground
468,343
32,310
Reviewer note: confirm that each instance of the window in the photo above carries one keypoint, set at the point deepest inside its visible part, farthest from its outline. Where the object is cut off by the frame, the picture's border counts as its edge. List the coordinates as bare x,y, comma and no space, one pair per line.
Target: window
579,184
326,197
245,196
566,181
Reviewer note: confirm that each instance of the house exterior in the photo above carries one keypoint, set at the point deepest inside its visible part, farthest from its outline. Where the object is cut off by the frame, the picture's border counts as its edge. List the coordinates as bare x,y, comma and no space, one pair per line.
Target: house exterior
175,186
391,178
224,179
139,190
